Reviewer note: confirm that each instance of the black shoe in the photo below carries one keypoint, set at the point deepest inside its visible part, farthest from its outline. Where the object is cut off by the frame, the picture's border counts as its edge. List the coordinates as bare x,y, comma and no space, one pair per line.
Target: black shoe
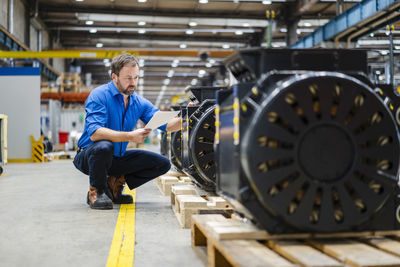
98,199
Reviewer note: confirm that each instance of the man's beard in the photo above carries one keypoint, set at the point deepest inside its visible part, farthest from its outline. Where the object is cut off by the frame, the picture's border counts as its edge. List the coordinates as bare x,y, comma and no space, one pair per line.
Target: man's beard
125,91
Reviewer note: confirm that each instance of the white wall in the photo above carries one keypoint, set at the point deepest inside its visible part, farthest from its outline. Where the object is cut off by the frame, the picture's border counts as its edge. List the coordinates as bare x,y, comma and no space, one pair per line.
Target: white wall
20,101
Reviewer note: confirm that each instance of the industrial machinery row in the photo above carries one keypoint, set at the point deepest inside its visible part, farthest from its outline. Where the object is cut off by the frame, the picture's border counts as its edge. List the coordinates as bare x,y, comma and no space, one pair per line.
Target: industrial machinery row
303,142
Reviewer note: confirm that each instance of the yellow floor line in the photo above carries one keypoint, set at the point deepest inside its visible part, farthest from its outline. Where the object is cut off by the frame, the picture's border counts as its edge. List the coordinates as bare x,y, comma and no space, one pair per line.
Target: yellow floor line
123,244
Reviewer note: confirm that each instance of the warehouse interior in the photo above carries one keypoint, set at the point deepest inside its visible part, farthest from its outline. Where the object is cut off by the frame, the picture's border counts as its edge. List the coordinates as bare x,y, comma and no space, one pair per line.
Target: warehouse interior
225,65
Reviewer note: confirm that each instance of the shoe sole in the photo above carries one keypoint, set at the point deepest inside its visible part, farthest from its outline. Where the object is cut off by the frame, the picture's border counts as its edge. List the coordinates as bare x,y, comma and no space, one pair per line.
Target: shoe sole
108,207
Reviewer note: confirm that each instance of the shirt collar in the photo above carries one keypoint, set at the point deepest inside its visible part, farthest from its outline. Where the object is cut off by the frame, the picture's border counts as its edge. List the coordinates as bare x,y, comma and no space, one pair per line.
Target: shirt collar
114,89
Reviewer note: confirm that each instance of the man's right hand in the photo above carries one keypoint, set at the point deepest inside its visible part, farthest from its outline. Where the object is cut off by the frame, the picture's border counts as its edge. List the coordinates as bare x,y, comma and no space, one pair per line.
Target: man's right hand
138,135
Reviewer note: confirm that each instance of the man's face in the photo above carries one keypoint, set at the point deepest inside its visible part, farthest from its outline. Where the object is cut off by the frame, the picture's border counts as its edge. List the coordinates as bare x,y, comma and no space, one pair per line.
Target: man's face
127,80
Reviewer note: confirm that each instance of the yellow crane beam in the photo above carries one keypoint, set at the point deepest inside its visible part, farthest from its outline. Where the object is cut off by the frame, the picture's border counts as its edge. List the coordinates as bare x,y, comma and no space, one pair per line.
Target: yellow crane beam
109,53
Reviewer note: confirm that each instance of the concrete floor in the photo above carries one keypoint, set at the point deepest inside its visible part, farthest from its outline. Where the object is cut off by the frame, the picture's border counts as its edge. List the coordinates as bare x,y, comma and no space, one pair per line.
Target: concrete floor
45,221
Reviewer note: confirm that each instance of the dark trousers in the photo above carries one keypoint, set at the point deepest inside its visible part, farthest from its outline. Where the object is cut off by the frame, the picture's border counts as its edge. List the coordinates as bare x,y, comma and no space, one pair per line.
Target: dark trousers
138,166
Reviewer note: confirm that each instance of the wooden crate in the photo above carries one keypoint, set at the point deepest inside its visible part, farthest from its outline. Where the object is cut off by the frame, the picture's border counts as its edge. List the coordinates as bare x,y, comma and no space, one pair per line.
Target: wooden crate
165,182
185,204
219,241
70,82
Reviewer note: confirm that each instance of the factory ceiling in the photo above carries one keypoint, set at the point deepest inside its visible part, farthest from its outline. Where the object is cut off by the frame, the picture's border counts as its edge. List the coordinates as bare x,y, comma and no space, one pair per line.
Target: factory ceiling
178,25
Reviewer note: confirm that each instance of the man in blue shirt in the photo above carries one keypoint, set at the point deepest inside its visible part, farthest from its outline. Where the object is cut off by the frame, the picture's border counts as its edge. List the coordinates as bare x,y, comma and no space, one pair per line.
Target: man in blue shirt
112,111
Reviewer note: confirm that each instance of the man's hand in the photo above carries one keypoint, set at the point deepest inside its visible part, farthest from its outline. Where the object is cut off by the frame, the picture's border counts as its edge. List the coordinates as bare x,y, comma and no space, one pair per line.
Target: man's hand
138,135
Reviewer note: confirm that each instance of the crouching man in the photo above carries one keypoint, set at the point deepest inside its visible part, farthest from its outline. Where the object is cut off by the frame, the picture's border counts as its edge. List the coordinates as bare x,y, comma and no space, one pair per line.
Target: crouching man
112,111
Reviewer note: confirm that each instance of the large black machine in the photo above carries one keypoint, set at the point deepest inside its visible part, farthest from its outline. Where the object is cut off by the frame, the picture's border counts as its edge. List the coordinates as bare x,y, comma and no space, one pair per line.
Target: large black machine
305,142
197,138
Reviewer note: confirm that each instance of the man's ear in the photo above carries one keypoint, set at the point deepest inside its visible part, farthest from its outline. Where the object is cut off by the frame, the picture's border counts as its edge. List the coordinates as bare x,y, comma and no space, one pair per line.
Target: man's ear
114,77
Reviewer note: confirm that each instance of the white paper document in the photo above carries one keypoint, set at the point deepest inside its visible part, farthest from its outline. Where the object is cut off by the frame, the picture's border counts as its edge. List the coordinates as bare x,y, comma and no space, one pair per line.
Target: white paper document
161,118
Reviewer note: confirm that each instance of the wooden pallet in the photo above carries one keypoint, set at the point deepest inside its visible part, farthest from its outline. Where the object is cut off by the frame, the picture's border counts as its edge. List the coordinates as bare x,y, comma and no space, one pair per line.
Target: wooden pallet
185,202
165,182
219,241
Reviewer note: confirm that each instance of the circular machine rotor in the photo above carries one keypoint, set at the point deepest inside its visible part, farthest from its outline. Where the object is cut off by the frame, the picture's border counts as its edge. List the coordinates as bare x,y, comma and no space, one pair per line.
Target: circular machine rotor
201,144
176,150
164,144
321,152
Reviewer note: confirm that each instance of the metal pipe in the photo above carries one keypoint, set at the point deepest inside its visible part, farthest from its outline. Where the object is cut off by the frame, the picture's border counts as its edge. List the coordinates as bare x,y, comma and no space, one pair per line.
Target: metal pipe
391,59
11,16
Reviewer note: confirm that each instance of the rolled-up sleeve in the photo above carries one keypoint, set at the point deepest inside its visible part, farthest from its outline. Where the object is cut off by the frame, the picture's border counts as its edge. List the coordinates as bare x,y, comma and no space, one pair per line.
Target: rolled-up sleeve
96,115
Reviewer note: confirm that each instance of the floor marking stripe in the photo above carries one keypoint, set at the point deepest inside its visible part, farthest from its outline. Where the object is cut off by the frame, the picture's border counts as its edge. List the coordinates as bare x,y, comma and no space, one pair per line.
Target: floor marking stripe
123,244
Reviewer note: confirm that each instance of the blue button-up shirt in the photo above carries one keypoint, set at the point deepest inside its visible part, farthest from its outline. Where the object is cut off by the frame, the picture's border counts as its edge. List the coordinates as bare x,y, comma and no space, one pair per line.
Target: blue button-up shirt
105,108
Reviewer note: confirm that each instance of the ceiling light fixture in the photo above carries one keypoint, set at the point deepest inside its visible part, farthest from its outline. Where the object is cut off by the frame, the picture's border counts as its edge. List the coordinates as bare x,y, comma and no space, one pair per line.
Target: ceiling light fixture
99,45
93,30
193,82
189,31
307,24
141,23
89,22
208,65
246,24
182,46
142,31
193,24
203,1
238,32
225,46
170,73
141,62
142,1
78,0
265,2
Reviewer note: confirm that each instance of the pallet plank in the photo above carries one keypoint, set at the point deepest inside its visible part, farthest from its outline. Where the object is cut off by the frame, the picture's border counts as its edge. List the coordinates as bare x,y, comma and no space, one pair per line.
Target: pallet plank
356,253
231,229
303,254
386,244
250,253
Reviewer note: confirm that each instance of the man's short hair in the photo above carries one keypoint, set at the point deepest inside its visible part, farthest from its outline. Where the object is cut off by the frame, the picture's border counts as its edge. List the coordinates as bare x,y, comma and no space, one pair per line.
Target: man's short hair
118,62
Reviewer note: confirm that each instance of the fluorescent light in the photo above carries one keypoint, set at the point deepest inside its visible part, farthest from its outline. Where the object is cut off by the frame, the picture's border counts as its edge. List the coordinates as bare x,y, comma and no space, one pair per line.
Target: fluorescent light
238,32
265,2
175,63
193,24
141,23
397,47
189,31
141,73
246,24
203,1
166,81
142,31
307,24
193,82
107,64
141,81
106,60
93,30
182,45
202,72
170,73
141,62
212,61
89,22
99,45
142,1
78,0
208,65
225,46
